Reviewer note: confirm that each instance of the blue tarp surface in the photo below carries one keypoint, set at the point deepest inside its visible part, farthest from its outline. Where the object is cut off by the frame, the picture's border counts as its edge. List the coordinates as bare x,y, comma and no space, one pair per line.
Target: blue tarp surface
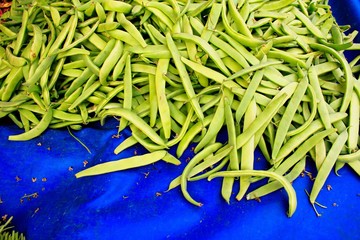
39,189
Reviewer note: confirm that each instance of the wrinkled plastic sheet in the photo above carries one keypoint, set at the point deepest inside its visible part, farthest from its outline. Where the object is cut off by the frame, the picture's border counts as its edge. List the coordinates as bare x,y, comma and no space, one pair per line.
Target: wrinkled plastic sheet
39,189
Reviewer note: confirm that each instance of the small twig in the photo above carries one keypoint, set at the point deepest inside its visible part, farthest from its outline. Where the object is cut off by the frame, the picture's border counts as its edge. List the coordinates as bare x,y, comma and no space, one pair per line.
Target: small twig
313,205
77,139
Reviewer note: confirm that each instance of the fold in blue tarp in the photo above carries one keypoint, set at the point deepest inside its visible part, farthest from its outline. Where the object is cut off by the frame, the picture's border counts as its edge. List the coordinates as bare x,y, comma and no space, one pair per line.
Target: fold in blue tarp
39,189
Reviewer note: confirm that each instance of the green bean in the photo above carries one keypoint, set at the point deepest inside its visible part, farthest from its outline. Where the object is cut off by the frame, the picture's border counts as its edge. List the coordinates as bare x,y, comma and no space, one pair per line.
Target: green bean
327,165
287,185
244,9
90,64
296,140
232,52
355,166
99,59
84,95
17,122
40,70
119,66
234,160
310,118
169,158
38,100
61,37
247,156
310,26
7,31
199,8
10,83
110,62
320,153
287,57
274,185
128,142
209,162
211,74
24,121
214,127
104,27
288,115
155,33
210,103
37,42
71,72
349,84
175,128
84,113
22,33
55,15
238,20
183,130
184,76
176,113
322,109
131,29
143,141
252,69
207,72
195,160
212,21
128,93
100,11
122,164
152,100
351,157
120,7
36,131
206,47
249,93
58,114
243,39
226,187
167,10
281,168
161,17
354,118
4,72
69,100
191,133
12,103
72,52
137,121
262,119
29,116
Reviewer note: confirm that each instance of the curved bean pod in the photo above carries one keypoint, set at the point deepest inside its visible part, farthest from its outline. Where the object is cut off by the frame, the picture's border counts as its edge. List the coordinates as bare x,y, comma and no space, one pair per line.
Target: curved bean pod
37,130
287,185
191,164
137,121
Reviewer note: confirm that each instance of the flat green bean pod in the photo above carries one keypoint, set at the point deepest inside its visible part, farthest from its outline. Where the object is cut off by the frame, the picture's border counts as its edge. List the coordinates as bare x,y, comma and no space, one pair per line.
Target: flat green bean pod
37,130
137,121
122,164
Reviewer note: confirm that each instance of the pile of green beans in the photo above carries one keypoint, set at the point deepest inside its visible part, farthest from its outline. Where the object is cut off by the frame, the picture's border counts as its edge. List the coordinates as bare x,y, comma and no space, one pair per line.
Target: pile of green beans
6,234
272,74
